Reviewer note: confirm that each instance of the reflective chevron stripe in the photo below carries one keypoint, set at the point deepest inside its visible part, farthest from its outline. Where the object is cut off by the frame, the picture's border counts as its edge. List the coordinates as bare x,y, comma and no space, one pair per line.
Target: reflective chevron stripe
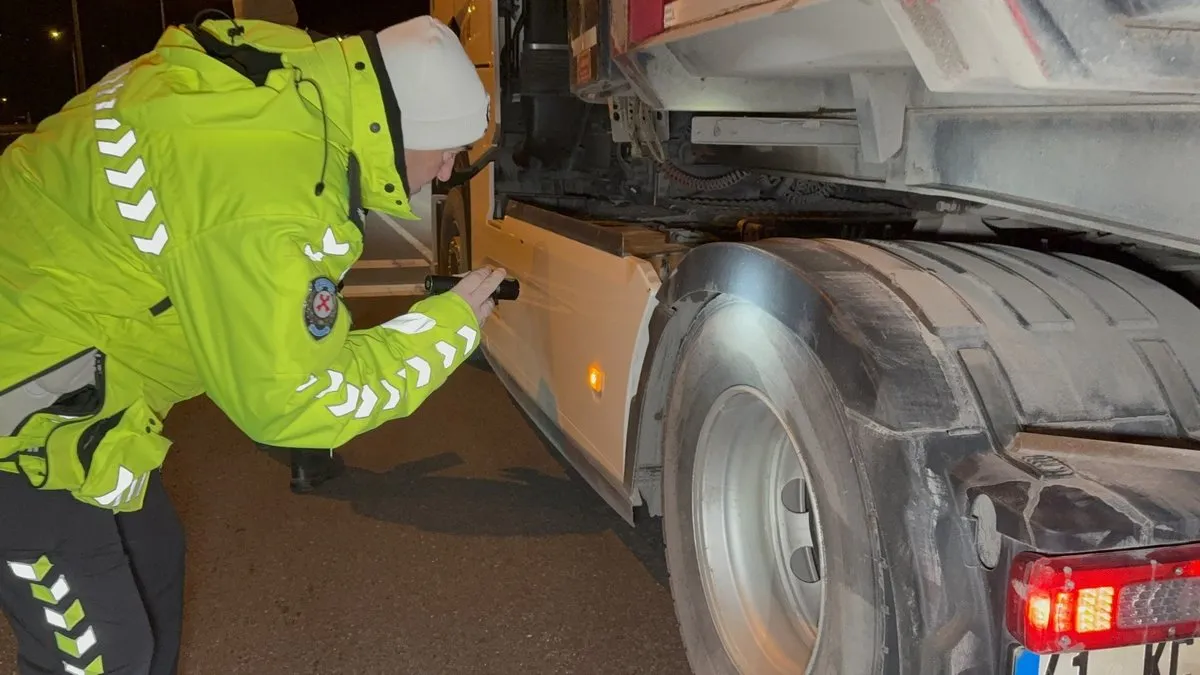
139,211
76,639
335,383
119,148
115,142
470,335
128,489
96,667
423,371
329,246
412,323
447,351
53,594
350,403
312,379
76,647
393,395
369,399
35,571
362,400
127,179
68,619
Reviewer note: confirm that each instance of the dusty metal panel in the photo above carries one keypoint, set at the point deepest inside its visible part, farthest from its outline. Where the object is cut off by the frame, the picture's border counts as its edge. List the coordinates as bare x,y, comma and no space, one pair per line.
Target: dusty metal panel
774,131
586,301
1053,45
617,496
659,78
1128,169
602,238
811,38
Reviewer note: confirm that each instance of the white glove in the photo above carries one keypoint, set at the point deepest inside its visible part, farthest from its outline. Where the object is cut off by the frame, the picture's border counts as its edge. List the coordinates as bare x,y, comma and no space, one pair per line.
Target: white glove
476,289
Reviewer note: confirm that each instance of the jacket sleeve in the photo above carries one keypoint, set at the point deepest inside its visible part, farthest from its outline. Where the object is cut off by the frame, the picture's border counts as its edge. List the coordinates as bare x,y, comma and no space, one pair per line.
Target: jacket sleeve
271,339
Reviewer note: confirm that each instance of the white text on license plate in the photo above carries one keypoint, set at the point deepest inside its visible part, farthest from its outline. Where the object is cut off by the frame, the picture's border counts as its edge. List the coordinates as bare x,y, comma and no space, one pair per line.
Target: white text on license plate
1181,657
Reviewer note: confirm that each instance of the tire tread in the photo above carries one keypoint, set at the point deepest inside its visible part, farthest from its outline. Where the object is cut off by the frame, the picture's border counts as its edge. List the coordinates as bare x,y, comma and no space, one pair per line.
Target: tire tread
1073,341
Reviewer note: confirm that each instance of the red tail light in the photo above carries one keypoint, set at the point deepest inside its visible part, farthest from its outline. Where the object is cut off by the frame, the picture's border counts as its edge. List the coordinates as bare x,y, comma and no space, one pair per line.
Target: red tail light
1102,600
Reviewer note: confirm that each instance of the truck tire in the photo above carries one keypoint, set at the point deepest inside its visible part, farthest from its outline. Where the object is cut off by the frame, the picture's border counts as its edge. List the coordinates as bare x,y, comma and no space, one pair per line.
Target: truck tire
454,226
751,400
806,446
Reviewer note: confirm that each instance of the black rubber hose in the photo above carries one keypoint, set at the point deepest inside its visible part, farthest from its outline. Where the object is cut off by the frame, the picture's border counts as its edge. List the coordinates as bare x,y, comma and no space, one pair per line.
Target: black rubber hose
726,180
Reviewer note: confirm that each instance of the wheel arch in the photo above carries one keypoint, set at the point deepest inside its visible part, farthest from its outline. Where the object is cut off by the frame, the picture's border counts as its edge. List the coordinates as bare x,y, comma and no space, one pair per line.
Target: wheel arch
894,385
816,290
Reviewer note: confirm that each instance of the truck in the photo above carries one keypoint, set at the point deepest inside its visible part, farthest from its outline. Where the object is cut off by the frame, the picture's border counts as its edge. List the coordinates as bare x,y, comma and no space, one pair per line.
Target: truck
887,309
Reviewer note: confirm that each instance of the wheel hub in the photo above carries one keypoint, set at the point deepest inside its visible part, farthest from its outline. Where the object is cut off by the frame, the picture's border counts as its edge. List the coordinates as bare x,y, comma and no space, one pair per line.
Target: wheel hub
757,536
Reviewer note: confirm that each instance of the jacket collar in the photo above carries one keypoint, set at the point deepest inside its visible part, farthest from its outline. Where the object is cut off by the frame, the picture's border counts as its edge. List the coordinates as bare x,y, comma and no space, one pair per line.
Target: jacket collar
377,135
352,90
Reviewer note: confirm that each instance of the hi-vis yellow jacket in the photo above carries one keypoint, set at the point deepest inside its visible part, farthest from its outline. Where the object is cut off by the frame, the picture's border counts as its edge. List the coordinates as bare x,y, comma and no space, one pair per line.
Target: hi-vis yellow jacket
183,226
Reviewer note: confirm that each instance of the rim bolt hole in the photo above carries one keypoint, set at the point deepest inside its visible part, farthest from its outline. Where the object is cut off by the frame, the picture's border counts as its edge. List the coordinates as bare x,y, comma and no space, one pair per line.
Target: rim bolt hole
795,496
804,565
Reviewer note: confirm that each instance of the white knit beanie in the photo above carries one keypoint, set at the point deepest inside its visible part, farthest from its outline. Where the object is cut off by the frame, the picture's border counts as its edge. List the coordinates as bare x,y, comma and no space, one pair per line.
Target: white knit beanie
443,104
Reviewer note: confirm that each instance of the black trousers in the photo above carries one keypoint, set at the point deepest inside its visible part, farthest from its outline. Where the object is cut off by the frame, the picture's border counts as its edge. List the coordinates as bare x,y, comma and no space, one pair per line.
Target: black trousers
87,591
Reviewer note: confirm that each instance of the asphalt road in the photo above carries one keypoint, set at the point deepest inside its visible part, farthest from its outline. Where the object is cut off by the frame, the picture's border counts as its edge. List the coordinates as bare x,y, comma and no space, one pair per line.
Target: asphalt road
456,543
397,254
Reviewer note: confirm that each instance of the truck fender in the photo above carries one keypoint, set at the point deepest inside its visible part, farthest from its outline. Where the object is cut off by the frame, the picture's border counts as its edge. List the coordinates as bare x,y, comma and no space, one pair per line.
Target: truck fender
909,421
813,290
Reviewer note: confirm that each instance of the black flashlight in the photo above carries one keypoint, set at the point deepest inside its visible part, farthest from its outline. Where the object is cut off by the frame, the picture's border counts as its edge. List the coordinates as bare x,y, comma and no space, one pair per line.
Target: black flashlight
436,284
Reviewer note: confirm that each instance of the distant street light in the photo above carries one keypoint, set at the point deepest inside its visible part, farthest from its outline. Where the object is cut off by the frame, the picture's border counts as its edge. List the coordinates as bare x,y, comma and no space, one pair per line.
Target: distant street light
56,35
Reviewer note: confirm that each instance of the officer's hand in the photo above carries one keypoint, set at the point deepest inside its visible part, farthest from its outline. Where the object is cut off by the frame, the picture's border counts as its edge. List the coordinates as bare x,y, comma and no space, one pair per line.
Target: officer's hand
477,288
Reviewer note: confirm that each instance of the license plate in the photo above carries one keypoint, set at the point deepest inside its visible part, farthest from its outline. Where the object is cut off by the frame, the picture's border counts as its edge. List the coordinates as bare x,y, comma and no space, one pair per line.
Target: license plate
1181,657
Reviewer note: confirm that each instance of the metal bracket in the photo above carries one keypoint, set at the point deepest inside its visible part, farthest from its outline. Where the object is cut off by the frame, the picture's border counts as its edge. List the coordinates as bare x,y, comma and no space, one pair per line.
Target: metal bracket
880,99
620,130
774,131
463,177
988,540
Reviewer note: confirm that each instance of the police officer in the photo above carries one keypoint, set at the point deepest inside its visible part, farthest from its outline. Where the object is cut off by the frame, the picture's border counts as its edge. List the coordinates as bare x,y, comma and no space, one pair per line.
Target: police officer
180,229
310,468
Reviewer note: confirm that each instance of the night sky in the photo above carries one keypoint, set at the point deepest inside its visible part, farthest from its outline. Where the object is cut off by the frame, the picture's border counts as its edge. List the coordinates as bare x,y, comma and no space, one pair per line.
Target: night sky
35,69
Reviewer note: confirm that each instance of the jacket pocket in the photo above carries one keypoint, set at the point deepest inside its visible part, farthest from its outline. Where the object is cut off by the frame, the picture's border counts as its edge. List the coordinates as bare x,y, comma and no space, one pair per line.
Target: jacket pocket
106,462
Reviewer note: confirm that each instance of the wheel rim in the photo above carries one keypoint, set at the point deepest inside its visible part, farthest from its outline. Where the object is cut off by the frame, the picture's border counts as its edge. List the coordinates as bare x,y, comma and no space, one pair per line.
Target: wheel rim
757,536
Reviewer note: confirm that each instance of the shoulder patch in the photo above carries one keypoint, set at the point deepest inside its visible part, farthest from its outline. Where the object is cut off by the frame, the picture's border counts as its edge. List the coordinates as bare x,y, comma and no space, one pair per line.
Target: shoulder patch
321,307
